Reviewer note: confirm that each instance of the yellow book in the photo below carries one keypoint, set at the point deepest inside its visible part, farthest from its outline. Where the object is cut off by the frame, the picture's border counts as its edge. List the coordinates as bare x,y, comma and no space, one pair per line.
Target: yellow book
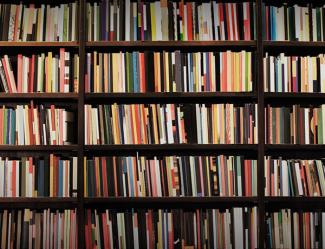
153,21
105,73
49,72
115,69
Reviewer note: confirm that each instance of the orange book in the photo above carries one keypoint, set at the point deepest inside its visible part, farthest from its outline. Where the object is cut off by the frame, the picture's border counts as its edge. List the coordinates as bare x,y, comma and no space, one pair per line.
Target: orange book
224,82
104,175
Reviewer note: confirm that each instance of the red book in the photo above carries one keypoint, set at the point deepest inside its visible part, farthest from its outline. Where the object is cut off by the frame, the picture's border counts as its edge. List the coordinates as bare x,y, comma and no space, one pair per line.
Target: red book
228,16
142,73
105,231
247,21
31,74
222,20
20,73
189,21
62,68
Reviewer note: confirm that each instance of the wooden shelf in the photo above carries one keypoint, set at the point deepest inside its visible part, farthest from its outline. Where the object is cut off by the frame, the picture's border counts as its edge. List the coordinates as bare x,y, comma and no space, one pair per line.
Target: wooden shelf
295,150
38,148
294,98
296,203
41,97
38,203
294,47
170,202
33,44
172,149
204,97
116,45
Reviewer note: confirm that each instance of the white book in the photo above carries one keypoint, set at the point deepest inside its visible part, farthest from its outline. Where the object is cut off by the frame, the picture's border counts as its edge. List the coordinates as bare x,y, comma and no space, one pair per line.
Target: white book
20,124
12,22
162,133
272,74
276,174
297,21
127,20
158,21
216,21
298,175
285,178
321,176
322,73
199,124
2,178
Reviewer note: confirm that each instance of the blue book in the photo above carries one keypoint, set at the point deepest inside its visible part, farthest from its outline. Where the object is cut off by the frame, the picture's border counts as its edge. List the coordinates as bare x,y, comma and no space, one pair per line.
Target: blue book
60,180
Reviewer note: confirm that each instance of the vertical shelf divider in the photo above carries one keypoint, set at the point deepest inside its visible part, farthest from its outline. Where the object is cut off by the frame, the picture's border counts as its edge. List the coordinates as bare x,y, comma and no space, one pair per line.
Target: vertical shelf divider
261,127
81,141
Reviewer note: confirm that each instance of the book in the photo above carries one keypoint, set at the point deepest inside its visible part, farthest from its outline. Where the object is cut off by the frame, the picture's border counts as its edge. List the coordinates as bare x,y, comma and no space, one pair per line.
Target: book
51,176
286,23
171,124
41,23
126,20
50,73
169,72
284,227
294,73
175,228
295,124
36,125
294,177
39,228
172,176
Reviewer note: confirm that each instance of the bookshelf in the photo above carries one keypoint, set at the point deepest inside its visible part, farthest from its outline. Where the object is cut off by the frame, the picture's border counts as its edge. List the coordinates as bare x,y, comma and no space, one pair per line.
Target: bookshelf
258,151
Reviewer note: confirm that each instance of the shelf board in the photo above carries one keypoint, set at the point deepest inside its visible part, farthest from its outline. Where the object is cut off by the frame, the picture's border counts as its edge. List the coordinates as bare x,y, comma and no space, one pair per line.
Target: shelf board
173,149
296,203
38,203
171,44
33,44
38,148
48,97
178,97
294,47
315,151
294,98
170,202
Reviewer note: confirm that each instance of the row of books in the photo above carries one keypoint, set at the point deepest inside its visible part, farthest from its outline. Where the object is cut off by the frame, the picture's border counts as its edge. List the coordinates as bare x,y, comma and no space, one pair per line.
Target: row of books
40,73
170,124
50,176
294,73
169,72
23,22
168,20
295,124
294,177
36,125
46,229
170,176
286,23
230,228
284,228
